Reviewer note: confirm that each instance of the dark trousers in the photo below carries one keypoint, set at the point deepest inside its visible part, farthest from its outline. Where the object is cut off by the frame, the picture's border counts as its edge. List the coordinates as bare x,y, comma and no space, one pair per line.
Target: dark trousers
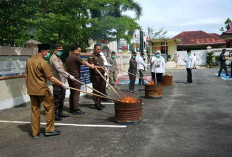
158,77
74,95
222,66
99,84
141,80
189,75
153,76
132,82
59,96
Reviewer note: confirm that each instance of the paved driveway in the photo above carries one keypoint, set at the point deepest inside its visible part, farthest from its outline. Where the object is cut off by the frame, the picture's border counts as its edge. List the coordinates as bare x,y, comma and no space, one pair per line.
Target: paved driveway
190,120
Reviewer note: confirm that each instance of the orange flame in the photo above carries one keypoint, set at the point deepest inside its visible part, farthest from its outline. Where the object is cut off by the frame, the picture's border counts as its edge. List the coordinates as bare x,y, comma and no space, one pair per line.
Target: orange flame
150,83
128,99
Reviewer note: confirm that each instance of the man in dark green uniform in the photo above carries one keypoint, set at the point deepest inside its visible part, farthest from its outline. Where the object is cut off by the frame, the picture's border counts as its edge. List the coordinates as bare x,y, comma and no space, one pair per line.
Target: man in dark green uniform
133,70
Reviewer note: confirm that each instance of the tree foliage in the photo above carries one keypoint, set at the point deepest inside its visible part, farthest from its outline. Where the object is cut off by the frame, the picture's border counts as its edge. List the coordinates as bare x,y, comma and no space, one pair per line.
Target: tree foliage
161,34
226,27
66,21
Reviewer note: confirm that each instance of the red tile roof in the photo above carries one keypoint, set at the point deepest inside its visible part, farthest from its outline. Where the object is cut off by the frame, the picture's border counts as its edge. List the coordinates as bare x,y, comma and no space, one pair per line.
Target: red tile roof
199,38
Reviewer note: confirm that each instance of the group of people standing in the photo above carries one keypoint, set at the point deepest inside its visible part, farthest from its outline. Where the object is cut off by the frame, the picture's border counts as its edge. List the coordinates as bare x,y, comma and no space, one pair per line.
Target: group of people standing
137,64
38,70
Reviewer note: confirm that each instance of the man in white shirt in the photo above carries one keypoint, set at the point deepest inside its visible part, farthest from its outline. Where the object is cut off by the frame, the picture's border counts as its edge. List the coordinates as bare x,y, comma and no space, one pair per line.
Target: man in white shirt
158,67
189,65
141,66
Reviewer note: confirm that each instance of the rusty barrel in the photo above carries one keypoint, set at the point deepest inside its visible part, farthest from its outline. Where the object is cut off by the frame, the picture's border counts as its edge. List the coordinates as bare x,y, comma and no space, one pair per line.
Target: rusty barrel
167,80
153,91
128,113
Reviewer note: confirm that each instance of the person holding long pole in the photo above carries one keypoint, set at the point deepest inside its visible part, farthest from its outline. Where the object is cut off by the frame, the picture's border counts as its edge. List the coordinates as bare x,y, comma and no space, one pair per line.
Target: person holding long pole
97,81
141,67
73,64
36,72
133,70
158,67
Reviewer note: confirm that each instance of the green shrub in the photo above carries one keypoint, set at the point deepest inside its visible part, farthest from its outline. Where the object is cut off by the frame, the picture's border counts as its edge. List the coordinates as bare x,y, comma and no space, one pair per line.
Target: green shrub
209,58
217,58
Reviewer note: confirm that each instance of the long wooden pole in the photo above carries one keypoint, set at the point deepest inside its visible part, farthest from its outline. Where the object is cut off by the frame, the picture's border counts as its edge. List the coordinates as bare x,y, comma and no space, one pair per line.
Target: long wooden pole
91,93
114,83
155,78
107,82
93,89
145,77
131,73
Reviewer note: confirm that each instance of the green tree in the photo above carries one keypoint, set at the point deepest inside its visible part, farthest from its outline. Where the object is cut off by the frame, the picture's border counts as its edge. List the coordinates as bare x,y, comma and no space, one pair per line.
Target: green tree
111,22
226,27
14,21
65,21
161,34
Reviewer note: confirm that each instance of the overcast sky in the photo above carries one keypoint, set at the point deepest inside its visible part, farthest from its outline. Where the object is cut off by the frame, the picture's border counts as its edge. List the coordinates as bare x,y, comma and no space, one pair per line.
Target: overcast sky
176,16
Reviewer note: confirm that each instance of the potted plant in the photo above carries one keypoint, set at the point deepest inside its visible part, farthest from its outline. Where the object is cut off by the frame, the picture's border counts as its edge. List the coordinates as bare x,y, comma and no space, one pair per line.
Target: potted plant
209,59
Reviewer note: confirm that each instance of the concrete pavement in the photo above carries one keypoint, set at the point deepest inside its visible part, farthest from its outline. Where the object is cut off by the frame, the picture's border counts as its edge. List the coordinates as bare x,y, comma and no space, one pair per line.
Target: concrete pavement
190,120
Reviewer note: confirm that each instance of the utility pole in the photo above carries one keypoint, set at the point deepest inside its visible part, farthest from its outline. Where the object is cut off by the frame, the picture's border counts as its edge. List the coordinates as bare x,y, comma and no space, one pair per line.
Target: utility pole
141,42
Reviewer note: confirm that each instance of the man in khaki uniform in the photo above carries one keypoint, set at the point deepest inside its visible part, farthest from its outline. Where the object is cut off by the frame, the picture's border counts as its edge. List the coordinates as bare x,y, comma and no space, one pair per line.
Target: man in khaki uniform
36,72
96,79
112,68
73,64
59,73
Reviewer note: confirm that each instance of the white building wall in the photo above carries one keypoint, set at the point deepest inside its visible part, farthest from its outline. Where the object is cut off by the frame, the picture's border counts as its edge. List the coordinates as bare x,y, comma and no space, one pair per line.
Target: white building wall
201,55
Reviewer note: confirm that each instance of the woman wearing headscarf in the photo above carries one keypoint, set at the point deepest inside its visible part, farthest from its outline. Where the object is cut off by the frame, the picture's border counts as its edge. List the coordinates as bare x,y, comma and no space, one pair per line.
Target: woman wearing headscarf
158,67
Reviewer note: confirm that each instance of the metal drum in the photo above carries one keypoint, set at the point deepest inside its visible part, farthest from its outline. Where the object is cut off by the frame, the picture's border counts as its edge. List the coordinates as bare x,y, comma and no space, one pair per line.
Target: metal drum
128,113
167,80
153,91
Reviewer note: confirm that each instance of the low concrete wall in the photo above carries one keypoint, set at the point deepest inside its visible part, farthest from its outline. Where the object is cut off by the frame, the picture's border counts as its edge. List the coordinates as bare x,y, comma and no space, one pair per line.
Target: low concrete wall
14,92
201,55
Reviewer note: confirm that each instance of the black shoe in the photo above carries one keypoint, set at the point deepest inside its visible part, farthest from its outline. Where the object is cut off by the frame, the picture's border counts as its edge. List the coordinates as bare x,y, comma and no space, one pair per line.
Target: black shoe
64,115
102,106
227,75
78,112
58,118
219,75
53,133
98,107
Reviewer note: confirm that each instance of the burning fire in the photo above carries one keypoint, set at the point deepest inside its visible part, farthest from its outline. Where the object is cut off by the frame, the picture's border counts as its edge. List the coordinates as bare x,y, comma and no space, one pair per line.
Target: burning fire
128,99
150,83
